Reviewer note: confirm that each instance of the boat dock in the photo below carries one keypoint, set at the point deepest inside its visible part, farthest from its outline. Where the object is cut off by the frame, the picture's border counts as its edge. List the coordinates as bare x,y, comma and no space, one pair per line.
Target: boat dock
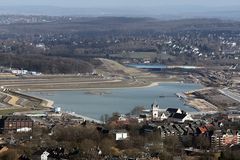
181,95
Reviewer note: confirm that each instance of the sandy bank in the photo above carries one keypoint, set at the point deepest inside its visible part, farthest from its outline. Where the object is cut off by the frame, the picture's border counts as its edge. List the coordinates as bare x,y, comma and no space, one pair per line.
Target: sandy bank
201,105
42,101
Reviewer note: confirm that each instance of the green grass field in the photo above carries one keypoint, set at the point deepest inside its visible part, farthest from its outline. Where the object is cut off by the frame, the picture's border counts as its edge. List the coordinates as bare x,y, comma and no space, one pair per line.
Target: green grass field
12,110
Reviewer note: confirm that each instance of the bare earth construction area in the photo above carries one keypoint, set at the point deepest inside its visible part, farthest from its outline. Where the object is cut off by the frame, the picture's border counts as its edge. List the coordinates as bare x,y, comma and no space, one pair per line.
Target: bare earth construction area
211,99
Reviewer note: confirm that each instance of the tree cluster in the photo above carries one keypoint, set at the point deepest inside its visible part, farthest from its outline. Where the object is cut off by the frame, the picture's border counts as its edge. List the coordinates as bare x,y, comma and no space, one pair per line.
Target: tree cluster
45,64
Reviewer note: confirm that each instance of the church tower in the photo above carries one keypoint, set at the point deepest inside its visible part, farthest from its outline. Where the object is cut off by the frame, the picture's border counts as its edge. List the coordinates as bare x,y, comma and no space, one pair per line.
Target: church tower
155,110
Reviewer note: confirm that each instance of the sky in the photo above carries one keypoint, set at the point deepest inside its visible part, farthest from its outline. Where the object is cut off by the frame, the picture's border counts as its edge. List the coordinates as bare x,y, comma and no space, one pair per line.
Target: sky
120,3
227,9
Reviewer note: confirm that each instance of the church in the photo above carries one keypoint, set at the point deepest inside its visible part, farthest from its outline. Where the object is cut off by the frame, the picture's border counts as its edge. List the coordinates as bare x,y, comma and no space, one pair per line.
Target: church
171,114
156,113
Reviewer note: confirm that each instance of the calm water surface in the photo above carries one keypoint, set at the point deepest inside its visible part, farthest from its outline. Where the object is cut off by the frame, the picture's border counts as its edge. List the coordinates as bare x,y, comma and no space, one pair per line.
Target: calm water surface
119,100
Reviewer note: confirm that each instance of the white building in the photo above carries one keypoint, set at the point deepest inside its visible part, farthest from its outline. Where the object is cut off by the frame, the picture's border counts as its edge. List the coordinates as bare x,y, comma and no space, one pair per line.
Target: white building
180,118
25,129
234,117
45,155
57,109
19,72
121,135
41,46
163,117
155,110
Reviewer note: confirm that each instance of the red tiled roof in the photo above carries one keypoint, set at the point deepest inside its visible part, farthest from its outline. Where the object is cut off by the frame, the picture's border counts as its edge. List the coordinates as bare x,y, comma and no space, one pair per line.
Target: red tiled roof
203,129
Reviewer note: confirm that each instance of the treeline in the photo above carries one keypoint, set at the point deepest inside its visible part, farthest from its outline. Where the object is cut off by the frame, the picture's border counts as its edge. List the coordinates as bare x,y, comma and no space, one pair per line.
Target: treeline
45,64
103,24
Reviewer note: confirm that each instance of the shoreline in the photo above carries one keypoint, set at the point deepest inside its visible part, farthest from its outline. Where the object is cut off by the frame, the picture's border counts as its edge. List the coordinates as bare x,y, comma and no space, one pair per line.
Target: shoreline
153,84
200,104
46,103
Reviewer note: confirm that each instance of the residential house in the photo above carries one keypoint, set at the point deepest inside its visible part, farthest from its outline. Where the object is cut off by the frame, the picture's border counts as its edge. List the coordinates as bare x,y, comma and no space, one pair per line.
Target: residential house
163,116
120,135
45,155
180,117
221,139
145,117
234,117
50,154
201,130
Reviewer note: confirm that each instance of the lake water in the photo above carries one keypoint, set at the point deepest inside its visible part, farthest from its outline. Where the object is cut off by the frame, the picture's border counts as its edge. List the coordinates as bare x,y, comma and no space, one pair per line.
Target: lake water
148,66
161,66
119,100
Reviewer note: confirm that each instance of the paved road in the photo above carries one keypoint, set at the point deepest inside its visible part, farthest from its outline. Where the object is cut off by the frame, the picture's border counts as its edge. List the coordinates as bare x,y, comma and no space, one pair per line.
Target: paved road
230,94
60,83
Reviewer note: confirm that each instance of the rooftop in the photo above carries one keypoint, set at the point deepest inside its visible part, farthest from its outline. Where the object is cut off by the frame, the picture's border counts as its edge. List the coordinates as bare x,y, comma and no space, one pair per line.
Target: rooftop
17,118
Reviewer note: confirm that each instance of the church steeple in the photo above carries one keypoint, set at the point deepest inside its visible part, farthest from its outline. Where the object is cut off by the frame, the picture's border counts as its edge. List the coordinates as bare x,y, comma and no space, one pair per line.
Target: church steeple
155,104
155,109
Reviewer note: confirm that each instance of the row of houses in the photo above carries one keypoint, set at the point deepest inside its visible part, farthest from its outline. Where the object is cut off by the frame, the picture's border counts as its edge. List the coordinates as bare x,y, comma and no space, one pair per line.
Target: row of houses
16,124
20,72
218,138
221,139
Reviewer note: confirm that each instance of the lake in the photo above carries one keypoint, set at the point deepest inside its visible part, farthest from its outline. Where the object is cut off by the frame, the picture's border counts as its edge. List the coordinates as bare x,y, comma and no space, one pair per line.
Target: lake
121,100
148,66
161,66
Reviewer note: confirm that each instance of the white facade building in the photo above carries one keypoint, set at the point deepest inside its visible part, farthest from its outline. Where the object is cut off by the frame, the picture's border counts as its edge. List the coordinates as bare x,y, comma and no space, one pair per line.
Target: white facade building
163,117
180,118
155,110
121,135
25,129
45,155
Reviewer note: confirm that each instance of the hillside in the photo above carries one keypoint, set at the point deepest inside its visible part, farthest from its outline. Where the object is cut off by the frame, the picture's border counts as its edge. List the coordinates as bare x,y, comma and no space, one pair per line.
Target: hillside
110,66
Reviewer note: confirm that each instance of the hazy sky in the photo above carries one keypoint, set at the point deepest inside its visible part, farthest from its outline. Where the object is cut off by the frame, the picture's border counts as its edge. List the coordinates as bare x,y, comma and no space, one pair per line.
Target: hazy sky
121,3
227,9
